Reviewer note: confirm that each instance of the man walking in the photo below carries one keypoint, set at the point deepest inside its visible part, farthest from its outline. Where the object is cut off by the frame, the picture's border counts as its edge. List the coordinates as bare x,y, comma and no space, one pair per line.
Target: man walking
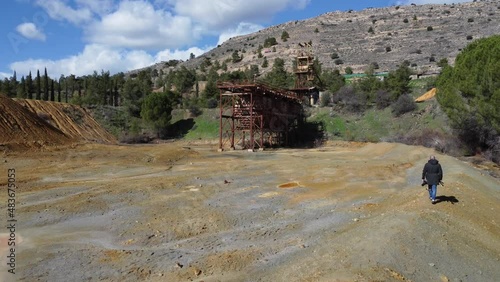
432,175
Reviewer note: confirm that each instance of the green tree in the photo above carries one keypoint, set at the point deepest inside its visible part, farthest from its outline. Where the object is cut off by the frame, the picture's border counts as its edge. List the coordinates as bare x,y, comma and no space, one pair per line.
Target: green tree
398,81
14,84
38,86
45,86
52,91
29,86
265,63
332,80
469,93
183,79
285,36
236,57
6,87
157,110
270,41
278,76
21,88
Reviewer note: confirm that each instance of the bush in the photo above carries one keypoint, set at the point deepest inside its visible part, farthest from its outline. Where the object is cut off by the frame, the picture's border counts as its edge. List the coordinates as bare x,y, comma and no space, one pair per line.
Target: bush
469,37
338,62
405,20
403,105
348,70
383,99
325,99
212,103
429,28
431,138
350,100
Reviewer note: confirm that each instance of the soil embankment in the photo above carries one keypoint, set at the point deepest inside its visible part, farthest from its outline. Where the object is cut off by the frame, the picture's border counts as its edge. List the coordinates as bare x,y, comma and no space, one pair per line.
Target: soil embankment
39,124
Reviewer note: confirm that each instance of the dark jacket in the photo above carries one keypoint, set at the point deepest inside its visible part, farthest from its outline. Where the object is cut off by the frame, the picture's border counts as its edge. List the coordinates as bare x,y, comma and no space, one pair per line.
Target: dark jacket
432,172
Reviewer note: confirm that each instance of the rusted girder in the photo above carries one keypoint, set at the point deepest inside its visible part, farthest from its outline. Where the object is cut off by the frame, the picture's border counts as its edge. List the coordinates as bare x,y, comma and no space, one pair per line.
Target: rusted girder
254,115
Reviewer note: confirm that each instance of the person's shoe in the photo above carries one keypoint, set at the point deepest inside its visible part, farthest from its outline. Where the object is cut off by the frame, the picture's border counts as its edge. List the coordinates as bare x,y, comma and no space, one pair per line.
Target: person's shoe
433,202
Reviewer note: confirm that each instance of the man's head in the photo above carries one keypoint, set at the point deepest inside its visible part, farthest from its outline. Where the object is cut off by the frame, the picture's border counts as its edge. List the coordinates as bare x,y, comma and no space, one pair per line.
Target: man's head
432,158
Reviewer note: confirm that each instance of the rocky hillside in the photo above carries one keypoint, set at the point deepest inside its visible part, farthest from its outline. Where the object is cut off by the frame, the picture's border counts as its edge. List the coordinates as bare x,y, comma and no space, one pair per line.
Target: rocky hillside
421,34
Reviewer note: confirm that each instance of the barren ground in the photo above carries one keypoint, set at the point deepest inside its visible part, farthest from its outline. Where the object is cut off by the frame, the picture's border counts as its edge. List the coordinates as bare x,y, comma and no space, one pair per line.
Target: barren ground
184,212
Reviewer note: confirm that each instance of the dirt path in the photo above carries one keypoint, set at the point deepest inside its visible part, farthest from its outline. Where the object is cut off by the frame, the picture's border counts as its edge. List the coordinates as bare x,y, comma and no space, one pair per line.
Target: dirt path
183,212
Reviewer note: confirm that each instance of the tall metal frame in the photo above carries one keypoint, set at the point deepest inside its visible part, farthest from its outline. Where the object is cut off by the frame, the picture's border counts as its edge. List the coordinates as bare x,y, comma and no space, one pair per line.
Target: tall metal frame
255,116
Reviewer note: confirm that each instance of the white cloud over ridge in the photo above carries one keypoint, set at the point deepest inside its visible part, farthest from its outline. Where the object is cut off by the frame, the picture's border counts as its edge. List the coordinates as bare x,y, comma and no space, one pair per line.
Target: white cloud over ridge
422,2
242,28
121,35
138,25
30,31
223,14
96,57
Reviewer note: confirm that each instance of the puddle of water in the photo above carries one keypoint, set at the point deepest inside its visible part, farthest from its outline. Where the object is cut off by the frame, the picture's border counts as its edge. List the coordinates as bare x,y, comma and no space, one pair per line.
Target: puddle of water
289,185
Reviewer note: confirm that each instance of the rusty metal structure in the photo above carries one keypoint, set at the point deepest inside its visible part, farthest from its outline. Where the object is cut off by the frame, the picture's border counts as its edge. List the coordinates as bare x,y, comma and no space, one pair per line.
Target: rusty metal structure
254,115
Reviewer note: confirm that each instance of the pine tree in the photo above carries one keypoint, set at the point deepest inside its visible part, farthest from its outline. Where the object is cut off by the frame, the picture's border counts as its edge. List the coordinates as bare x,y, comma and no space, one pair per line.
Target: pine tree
52,96
21,88
29,86
38,86
59,88
45,86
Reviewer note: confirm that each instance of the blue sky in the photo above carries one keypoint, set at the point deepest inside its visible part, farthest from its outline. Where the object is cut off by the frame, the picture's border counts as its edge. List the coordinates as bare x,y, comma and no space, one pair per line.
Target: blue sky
80,36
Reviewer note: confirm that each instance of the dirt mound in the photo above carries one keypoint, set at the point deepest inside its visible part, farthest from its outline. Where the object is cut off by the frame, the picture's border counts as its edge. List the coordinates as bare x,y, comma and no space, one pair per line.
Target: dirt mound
72,120
35,124
19,126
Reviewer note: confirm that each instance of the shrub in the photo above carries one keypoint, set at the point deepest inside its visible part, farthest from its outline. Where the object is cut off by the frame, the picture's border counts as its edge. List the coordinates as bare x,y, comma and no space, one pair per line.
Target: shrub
316,30
348,70
429,28
388,49
370,30
469,37
470,20
403,105
326,98
339,62
270,41
383,99
334,56
350,100
285,36
405,20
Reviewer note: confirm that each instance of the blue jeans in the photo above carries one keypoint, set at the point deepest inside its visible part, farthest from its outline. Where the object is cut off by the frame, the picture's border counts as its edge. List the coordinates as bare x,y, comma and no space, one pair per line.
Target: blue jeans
432,191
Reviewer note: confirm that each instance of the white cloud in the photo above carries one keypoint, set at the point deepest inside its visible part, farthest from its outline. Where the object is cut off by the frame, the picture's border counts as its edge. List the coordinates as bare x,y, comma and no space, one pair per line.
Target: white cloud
5,75
100,7
30,31
422,2
243,28
138,25
96,57
124,35
221,14
167,54
58,10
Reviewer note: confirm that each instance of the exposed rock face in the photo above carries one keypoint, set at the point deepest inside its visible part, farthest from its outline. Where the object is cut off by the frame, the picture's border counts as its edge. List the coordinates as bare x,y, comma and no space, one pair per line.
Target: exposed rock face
421,34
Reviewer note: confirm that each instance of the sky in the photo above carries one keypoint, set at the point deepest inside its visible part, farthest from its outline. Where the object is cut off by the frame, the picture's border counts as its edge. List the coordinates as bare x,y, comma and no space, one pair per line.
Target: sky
82,36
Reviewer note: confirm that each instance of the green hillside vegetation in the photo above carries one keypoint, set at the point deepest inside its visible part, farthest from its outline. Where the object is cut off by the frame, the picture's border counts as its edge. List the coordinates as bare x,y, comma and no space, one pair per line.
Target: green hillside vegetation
369,107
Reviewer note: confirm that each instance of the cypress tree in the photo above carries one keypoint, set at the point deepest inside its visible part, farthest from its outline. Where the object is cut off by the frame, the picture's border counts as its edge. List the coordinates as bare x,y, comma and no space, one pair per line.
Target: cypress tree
38,86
